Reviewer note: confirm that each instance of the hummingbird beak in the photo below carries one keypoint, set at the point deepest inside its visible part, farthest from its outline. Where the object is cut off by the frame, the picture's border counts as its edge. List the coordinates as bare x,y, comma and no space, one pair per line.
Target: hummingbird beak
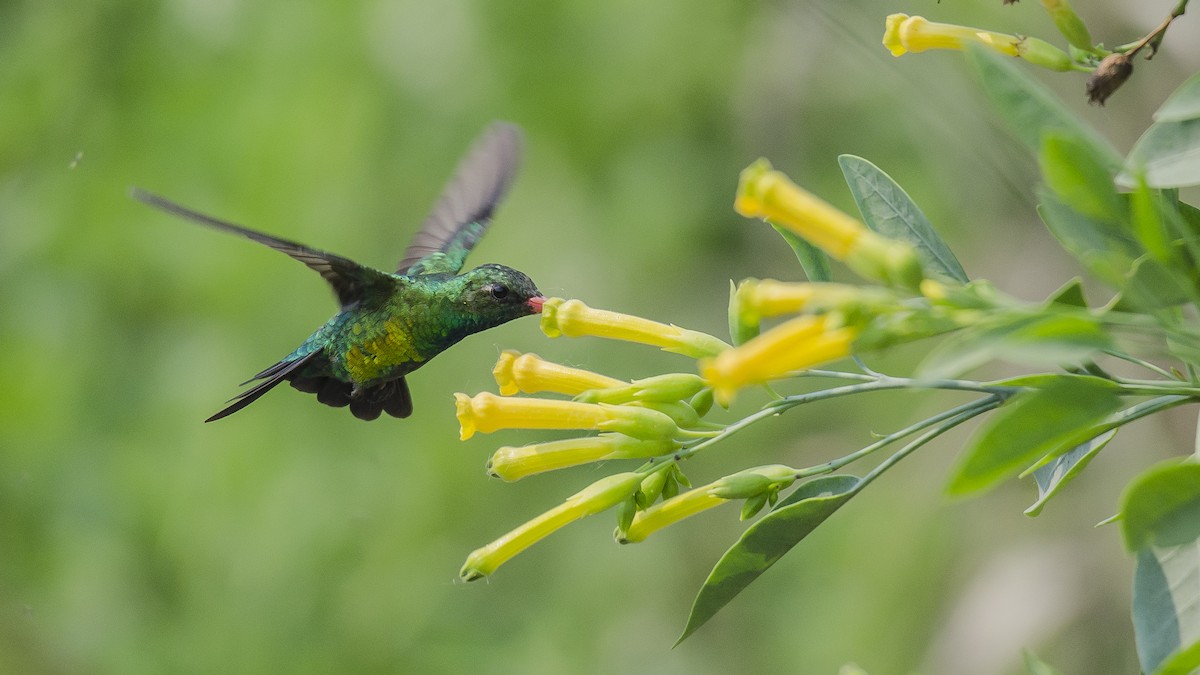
535,303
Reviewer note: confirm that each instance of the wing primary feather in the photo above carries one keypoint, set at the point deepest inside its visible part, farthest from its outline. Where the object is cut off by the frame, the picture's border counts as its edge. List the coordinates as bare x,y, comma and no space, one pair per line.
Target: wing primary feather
349,280
463,212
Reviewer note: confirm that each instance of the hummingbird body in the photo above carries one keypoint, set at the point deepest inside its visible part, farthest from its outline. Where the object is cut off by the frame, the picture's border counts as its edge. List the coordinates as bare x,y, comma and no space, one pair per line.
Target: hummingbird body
390,324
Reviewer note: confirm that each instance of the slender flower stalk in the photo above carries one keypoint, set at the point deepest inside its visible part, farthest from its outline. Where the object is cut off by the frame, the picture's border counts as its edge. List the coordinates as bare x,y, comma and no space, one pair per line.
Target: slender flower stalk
769,194
530,374
511,463
905,34
803,342
572,318
596,498
487,413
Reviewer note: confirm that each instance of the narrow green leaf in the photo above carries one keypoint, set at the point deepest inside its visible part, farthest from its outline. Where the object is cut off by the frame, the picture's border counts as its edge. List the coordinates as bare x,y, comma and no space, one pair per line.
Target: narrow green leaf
1029,426
1166,608
1069,294
1183,104
1063,469
1168,154
1072,170
1029,108
812,259
1102,249
766,541
1183,662
1046,339
1161,507
887,209
1152,285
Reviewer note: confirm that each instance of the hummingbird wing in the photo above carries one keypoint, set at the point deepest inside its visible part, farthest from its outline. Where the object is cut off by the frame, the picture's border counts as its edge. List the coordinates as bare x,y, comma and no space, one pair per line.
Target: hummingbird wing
464,211
350,281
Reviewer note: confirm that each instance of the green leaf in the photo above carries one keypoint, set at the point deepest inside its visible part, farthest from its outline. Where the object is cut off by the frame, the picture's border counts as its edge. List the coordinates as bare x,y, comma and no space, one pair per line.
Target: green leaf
1053,476
1166,609
766,541
1036,666
1044,339
1031,425
1152,285
887,209
1167,154
1102,249
1074,173
1183,104
1069,294
812,259
1161,507
1030,109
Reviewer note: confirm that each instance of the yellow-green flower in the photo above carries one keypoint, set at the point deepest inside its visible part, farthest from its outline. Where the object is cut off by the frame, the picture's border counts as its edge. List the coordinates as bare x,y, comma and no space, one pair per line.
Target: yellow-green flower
759,299
904,34
1069,24
669,512
514,463
659,388
487,413
753,482
803,342
528,373
597,497
766,193
574,319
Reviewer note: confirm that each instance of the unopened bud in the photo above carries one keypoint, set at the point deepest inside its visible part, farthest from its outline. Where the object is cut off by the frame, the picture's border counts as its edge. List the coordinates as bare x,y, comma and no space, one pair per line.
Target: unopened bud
1108,77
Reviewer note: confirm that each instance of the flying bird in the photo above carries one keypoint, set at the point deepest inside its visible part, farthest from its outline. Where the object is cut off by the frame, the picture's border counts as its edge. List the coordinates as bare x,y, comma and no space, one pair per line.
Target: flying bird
391,323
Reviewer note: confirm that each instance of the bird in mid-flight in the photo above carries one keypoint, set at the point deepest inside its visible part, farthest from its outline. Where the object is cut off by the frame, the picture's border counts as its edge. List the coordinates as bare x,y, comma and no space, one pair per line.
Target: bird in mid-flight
390,324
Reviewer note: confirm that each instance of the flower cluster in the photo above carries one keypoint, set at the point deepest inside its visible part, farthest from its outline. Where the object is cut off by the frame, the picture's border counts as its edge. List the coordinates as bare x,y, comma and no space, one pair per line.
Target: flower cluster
660,420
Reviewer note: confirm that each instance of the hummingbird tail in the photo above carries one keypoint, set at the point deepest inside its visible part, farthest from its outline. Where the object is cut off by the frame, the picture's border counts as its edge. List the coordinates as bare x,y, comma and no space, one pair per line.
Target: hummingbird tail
270,378
367,403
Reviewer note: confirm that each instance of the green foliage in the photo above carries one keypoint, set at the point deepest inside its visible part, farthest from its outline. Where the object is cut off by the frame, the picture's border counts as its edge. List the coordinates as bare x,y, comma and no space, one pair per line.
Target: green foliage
1052,477
1165,154
766,541
887,209
1031,425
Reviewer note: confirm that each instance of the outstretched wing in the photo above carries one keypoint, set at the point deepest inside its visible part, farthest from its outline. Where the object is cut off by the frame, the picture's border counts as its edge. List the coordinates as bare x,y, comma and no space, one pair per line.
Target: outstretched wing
350,281
464,211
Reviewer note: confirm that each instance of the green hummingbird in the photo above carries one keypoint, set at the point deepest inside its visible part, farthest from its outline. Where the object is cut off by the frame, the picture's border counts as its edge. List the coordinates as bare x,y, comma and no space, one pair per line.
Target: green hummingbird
390,324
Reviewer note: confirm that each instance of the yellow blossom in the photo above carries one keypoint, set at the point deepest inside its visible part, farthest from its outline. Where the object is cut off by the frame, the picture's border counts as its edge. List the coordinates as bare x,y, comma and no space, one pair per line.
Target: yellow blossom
765,193
803,342
487,413
597,497
904,34
528,373
513,463
572,318
669,512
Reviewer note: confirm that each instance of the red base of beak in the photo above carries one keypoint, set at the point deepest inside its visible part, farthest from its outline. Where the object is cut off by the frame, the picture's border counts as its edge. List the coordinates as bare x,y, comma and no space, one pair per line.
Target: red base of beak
536,304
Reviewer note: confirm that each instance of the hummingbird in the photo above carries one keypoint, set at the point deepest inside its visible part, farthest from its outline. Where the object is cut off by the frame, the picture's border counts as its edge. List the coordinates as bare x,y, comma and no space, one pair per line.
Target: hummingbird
391,323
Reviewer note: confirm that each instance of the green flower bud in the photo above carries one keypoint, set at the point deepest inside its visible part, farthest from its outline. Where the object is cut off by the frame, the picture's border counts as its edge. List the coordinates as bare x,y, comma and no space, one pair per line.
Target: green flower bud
1069,24
702,401
752,482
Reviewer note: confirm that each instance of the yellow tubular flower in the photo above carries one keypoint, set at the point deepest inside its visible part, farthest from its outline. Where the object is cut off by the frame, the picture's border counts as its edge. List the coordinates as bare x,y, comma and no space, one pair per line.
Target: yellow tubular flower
800,343
597,497
514,463
572,318
530,374
904,34
669,512
487,413
764,193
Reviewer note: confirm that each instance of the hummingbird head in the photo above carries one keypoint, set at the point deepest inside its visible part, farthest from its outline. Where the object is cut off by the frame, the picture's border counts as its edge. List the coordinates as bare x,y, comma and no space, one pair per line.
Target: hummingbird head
495,294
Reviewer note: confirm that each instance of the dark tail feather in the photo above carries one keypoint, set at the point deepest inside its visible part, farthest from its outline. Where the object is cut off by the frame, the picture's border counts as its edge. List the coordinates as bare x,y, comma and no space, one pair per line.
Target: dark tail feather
399,403
275,374
390,397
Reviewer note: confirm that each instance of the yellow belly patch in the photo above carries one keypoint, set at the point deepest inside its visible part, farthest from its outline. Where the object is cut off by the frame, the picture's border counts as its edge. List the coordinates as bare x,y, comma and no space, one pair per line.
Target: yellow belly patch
381,354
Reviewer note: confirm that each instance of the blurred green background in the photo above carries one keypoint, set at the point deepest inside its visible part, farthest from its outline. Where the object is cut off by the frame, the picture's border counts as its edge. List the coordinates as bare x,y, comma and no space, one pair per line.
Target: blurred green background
294,538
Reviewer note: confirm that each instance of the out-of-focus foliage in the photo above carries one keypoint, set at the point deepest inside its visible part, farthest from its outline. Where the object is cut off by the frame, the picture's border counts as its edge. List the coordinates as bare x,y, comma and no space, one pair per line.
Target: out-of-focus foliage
292,537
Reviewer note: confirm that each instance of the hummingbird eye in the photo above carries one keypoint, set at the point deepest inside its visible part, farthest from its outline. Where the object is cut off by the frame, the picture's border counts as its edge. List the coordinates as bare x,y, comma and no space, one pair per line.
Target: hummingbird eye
499,291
